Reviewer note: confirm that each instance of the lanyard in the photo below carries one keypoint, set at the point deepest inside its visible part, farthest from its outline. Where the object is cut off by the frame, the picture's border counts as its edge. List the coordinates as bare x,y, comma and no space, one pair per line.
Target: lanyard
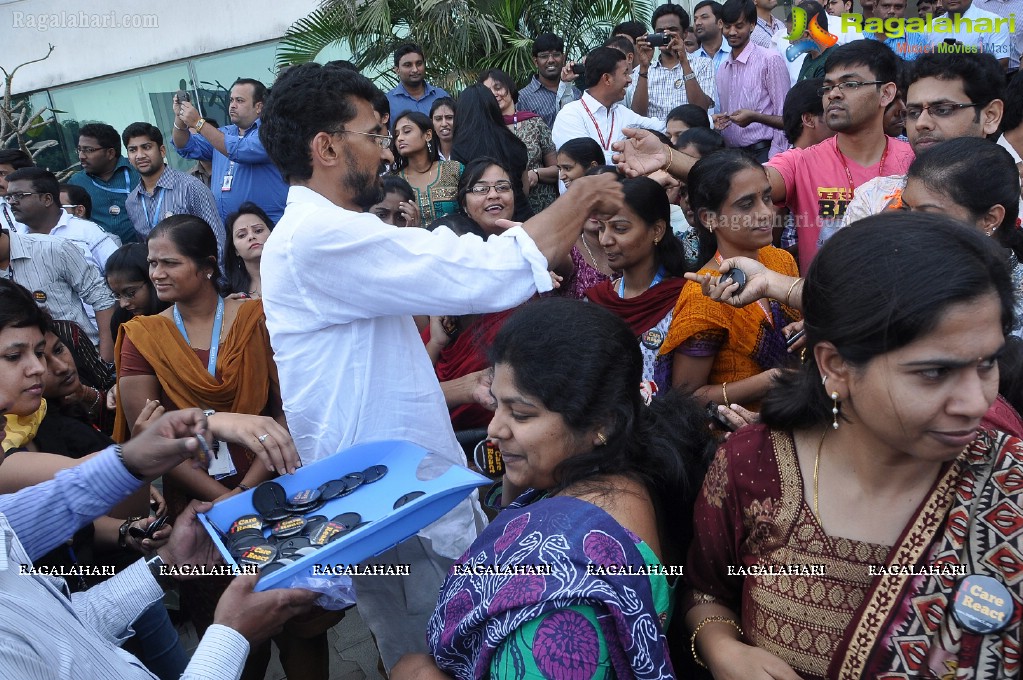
610,132
125,190
848,172
658,277
156,217
764,307
218,321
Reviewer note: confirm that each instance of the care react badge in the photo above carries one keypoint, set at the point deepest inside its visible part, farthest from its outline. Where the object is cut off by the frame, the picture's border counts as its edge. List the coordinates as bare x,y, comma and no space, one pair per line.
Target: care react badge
817,39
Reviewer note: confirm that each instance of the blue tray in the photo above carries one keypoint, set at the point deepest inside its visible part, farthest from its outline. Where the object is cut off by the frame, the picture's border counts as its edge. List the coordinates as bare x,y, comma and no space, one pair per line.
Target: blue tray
374,502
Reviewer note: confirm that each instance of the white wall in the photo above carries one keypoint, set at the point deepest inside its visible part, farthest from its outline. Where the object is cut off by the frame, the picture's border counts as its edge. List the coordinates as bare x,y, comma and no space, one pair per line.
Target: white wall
121,36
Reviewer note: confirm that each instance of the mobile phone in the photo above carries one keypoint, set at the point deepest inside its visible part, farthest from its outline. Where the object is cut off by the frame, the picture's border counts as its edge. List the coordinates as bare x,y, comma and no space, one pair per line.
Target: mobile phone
183,96
716,419
794,338
657,39
738,276
578,69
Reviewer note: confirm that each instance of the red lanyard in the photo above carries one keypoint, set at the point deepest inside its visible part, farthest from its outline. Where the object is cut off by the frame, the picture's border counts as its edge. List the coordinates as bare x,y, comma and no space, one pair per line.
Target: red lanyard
610,132
848,173
764,307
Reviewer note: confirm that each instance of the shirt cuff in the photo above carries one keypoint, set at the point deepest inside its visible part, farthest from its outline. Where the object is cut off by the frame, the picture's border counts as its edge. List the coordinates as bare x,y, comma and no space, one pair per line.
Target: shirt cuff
137,580
106,476
220,655
532,255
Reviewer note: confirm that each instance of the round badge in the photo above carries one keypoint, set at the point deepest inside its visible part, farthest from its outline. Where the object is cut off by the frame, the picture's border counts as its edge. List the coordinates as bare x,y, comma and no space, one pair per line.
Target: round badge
678,84
246,522
277,515
408,498
269,497
292,545
653,339
39,296
332,489
288,527
374,473
258,555
242,542
272,567
114,210
982,604
348,519
327,532
313,523
303,498
354,480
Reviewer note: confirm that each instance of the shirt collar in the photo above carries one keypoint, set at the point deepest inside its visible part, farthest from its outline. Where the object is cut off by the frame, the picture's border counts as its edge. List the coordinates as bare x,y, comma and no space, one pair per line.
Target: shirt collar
428,89
594,105
746,53
122,162
724,49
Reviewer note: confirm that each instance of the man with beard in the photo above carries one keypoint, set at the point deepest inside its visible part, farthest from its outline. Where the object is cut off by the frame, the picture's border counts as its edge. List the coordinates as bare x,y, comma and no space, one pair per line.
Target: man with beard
541,94
339,290
107,177
163,190
949,96
818,183
708,26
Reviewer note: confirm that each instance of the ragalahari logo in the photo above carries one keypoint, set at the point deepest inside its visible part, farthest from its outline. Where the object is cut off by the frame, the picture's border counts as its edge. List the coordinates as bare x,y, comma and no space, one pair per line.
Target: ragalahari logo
817,39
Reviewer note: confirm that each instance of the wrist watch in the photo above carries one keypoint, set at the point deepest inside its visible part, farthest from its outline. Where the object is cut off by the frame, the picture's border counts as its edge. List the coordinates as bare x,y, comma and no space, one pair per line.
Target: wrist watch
689,76
122,531
199,123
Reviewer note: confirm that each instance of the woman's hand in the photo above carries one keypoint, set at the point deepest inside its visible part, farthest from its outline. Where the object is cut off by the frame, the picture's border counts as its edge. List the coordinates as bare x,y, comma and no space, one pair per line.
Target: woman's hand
735,660
150,413
724,290
737,416
442,330
409,210
792,329
112,398
262,435
157,503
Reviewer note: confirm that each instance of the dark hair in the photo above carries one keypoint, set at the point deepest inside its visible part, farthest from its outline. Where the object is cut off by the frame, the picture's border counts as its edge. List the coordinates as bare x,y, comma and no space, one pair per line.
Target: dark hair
709,182
622,44
952,167
802,98
259,90
633,29
18,309
705,140
132,262
815,9
879,59
78,196
982,78
583,150
715,7
194,239
423,122
442,101
1012,115
342,63
460,223
734,11
601,61
142,130
480,132
663,446
43,181
305,101
856,298
502,78
105,135
16,158
690,114
666,9
408,48
472,173
603,170
397,185
548,42
649,201
238,279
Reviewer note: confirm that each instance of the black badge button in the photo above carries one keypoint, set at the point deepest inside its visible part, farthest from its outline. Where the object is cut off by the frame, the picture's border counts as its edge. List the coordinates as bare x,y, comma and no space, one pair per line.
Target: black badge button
983,605
328,532
354,481
348,519
332,489
360,525
288,527
407,498
374,473
304,498
292,545
246,522
302,552
272,567
313,522
258,555
269,498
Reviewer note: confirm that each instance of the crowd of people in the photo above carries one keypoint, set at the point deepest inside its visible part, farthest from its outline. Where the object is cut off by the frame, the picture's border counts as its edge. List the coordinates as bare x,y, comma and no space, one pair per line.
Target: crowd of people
740,310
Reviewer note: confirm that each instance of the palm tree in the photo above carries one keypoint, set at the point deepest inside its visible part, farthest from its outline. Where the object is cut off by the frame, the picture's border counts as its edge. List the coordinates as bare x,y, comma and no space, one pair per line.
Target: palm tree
460,38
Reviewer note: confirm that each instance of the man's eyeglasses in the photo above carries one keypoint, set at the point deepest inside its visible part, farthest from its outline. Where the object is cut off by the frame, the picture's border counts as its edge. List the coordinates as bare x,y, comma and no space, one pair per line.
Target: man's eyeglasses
383,141
484,189
128,293
849,85
939,110
88,149
546,56
16,197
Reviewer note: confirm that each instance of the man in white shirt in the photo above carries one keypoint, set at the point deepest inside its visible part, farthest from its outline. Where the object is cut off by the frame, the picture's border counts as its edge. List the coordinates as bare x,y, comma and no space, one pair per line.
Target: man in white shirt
40,210
994,41
339,290
598,114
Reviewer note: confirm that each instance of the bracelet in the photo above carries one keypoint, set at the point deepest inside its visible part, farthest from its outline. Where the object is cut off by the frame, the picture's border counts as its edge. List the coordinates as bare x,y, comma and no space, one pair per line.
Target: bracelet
243,487
642,75
724,393
183,129
671,159
789,294
710,619
199,124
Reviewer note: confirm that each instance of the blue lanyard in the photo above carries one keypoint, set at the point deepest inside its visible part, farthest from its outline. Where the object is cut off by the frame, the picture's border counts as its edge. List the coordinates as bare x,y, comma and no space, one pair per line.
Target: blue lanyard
125,190
156,217
657,279
218,321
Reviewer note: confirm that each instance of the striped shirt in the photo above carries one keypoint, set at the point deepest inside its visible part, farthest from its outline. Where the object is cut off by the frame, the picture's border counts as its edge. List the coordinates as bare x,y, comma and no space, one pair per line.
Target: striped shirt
95,243
1006,9
666,87
60,278
537,98
44,634
764,32
755,79
176,193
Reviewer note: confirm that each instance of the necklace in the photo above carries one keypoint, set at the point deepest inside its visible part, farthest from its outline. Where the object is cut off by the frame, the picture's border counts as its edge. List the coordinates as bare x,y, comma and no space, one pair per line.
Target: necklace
588,251
816,469
848,172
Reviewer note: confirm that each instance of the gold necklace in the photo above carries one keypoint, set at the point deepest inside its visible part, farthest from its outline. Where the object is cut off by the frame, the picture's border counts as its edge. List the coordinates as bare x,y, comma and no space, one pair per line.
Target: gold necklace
588,251
816,468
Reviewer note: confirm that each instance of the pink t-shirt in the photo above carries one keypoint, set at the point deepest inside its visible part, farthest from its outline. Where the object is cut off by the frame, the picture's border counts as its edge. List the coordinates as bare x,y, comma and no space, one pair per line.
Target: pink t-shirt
817,188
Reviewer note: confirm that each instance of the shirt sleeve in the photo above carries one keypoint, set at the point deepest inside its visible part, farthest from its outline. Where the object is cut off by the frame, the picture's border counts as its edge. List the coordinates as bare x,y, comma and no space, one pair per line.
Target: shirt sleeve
47,514
112,606
568,125
196,148
786,163
104,247
200,202
704,71
220,655
84,278
21,660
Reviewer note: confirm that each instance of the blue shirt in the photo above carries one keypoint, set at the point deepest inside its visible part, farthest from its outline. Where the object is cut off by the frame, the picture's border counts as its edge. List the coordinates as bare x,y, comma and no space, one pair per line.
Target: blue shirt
909,47
719,57
254,176
538,99
108,199
401,101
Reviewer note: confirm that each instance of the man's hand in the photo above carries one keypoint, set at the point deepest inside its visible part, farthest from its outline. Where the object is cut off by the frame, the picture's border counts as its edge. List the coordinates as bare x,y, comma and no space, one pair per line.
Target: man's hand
605,189
165,443
189,543
258,616
644,53
481,393
567,74
262,435
742,117
721,121
640,153
187,113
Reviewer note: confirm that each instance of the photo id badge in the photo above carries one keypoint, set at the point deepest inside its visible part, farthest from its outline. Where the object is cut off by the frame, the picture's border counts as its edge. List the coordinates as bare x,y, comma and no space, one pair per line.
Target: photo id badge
226,185
221,464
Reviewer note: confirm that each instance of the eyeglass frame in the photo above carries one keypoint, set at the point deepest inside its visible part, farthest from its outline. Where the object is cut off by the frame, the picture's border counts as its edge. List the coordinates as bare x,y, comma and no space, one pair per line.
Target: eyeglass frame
87,150
955,106
377,138
17,196
128,296
851,85
475,188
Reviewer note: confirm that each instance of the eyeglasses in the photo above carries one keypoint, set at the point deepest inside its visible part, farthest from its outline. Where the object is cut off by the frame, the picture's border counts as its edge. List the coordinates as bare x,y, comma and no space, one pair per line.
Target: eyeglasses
545,56
383,141
850,85
128,293
482,189
16,197
70,208
88,149
939,110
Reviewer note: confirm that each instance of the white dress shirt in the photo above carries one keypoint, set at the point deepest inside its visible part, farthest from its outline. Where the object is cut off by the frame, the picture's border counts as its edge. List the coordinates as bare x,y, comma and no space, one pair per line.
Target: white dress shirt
339,292
996,43
573,121
95,243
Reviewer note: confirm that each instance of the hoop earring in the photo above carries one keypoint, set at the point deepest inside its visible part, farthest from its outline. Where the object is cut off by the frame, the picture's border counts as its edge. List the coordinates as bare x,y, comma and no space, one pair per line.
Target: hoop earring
834,410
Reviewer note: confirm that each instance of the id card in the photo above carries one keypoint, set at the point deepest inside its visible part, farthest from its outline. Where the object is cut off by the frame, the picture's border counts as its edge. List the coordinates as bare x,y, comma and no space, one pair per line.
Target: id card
221,464
226,185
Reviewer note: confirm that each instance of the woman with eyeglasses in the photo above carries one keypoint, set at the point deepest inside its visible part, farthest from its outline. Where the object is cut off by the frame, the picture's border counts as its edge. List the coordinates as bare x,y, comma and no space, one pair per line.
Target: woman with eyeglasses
417,161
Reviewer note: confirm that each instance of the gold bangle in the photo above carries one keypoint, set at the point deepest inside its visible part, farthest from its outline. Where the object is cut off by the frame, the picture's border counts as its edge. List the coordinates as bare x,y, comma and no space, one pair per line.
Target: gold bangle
696,631
724,393
667,164
199,124
789,294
